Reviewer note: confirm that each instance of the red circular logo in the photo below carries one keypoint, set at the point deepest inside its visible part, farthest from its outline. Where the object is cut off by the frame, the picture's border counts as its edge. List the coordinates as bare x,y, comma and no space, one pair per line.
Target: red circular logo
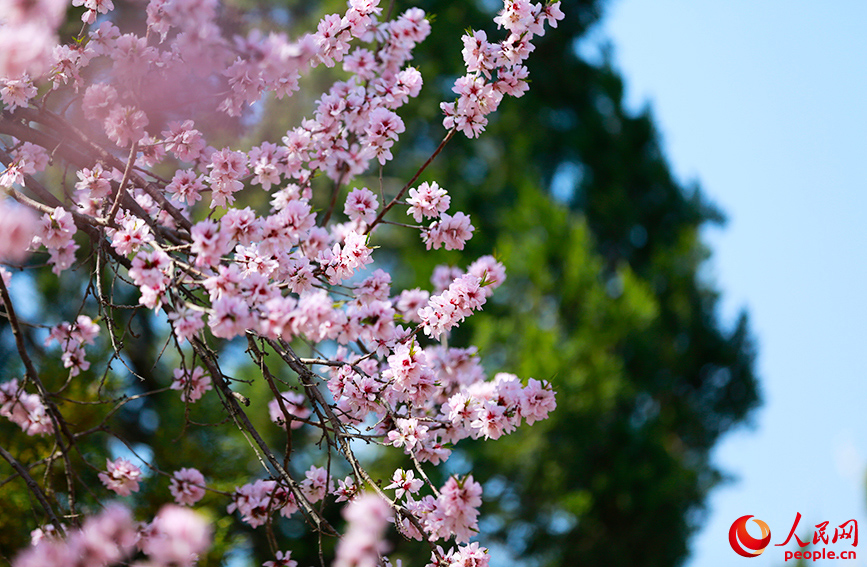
745,544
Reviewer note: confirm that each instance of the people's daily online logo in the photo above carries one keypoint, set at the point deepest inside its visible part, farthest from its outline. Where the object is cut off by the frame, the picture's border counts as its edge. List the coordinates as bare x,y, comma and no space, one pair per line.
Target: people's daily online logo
747,545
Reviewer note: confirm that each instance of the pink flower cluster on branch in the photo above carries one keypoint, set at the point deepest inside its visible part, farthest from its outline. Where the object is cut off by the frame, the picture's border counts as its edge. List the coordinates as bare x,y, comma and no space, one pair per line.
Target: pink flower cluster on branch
146,200
496,69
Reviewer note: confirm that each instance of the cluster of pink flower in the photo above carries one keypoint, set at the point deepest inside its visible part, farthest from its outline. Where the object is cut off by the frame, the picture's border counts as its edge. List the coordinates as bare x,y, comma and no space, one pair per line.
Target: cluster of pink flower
478,92
174,538
23,409
192,385
72,337
121,477
256,501
362,545
187,486
279,275
29,34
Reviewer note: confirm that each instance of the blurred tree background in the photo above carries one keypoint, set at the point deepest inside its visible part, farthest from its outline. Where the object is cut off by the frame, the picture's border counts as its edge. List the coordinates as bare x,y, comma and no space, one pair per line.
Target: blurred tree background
604,297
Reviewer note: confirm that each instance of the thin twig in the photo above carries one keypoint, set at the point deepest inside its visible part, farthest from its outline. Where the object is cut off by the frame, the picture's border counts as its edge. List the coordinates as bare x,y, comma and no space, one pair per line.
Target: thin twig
409,183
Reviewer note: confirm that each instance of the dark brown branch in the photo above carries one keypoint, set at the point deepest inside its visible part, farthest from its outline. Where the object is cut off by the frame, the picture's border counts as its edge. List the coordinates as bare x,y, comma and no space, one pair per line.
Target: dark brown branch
34,488
243,422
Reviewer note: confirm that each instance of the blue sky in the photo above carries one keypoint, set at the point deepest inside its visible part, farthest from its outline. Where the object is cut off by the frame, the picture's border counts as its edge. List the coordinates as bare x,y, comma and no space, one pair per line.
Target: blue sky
764,104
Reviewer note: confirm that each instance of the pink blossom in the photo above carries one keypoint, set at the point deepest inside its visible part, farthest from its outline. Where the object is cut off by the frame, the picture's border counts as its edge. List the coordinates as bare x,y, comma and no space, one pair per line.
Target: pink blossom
491,273
152,151
553,14
361,205
331,39
186,323
448,309
18,226
341,263
429,200
411,26
346,489
186,186
93,183
278,273
382,131
242,225
478,54
516,15
62,258
404,482
28,35
362,544
408,84
361,62
375,288
99,100
16,92
58,227
291,225
93,7
470,555
192,385
102,38
457,509
209,243
408,370
247,86
492,421
131,236
409,303
516,49
513,82
408,433
226,282
30,158
184,141
537,401
24,409
281,559
151,269
316,484
84,330
451,231
253,502
187,486
176,537
231,317
443,276
125,124
121,477
226,167
268,162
